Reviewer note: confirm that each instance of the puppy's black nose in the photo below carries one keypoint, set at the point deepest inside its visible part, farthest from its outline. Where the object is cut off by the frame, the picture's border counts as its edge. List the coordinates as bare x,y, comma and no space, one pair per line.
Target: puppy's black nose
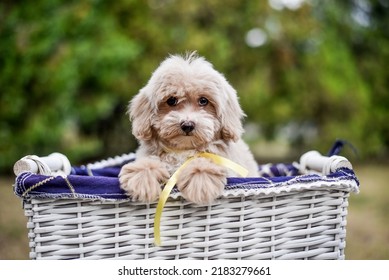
187,126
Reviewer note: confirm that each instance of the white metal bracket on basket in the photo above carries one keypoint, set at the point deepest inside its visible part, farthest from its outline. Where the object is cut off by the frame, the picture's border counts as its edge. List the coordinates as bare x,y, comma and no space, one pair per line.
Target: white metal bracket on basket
55,163
313,160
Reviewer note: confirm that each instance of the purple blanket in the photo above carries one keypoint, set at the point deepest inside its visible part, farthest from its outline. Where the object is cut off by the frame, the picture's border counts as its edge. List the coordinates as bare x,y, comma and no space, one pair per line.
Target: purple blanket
103,183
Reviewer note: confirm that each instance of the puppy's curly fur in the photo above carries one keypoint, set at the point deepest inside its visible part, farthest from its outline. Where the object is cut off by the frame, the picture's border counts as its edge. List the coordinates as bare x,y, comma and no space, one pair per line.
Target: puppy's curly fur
186,107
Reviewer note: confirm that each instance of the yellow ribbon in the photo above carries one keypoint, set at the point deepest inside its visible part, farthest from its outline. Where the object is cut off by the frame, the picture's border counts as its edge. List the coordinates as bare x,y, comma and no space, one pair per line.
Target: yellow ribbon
173,180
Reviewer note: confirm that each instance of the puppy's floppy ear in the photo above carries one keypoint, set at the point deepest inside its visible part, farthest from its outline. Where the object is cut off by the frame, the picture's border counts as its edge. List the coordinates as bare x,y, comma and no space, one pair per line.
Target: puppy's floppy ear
231,114
141,112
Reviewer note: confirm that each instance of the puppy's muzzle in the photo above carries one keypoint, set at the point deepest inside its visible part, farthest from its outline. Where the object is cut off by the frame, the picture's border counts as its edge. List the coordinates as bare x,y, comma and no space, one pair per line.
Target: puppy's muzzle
187,126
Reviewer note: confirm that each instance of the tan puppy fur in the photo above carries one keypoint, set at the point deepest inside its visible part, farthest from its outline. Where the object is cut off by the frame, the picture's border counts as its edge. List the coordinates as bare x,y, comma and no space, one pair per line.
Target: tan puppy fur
186,107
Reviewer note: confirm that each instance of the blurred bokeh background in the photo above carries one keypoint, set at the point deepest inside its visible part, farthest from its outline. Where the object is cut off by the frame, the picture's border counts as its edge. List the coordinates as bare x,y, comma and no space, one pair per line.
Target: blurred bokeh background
308,72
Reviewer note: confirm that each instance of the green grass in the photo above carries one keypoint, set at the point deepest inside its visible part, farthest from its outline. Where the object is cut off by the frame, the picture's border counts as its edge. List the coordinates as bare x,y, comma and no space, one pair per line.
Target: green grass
13,231
367,220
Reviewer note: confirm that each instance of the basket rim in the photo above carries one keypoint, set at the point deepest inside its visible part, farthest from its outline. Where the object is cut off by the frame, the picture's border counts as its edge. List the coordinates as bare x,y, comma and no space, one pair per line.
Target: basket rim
29,185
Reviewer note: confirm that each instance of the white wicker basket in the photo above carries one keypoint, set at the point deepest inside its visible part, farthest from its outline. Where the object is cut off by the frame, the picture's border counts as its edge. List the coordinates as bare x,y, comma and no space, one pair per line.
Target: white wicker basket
294,219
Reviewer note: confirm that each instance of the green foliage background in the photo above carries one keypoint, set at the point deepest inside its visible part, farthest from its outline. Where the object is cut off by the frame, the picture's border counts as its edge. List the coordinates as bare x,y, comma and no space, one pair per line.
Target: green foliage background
69,68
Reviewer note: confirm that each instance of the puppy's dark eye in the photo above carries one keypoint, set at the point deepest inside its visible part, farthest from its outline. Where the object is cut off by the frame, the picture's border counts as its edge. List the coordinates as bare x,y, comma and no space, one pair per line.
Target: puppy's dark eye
203,101
172,101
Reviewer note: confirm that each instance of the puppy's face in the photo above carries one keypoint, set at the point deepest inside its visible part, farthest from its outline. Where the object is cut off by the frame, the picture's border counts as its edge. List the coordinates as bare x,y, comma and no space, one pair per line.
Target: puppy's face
187,115
186,105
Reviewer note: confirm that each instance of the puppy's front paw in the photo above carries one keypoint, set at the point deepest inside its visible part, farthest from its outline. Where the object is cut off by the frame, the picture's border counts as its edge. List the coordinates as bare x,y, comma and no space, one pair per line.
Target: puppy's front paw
143,178
202,181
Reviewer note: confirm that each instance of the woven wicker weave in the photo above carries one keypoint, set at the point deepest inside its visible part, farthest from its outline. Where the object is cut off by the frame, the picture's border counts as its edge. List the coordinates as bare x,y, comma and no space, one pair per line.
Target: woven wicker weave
295,225
282,215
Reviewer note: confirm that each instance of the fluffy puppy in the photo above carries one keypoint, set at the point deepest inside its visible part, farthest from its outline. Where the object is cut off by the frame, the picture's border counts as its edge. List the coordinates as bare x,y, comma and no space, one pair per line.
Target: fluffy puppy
186,107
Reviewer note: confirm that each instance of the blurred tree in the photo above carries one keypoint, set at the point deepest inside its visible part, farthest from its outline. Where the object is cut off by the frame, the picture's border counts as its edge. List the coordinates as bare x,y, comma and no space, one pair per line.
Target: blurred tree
64,71
68,69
